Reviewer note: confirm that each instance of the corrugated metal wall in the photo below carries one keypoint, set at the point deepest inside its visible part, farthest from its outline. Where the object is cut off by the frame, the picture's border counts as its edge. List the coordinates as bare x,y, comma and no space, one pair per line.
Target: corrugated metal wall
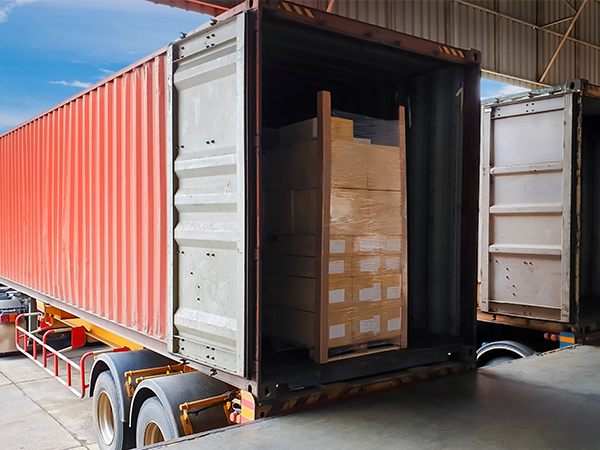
507,32
83,199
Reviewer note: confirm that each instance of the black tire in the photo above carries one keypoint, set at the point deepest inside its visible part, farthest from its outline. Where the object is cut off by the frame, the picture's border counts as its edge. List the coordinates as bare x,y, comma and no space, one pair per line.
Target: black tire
153,424
109,428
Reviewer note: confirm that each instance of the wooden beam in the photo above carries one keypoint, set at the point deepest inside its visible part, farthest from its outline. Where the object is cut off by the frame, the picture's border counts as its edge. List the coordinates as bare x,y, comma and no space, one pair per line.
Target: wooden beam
562,41
330,5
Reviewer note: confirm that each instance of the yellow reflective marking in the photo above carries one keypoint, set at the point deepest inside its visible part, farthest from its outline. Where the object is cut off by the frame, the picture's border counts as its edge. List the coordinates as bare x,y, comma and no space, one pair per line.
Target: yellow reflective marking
308,13
298,10
286,6
461,54
248,414
290,404
567,339
313,398
453,51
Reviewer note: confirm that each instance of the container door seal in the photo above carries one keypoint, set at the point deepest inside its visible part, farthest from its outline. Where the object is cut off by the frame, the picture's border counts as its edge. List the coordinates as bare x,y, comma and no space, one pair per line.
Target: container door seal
525,226
207,134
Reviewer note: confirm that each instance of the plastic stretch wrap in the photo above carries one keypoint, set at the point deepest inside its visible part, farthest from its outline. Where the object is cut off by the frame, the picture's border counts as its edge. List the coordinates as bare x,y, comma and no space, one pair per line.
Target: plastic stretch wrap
364,263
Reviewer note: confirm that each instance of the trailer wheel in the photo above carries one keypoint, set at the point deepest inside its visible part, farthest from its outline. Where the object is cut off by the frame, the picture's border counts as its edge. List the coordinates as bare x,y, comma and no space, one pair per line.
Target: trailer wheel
109,428
153,425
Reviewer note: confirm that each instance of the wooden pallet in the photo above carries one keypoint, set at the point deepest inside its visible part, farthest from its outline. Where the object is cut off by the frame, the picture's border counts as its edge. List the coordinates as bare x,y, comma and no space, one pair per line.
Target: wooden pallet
350,351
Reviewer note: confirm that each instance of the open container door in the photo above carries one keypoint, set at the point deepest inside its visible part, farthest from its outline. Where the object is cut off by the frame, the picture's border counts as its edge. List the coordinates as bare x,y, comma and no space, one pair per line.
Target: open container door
207,94
526,207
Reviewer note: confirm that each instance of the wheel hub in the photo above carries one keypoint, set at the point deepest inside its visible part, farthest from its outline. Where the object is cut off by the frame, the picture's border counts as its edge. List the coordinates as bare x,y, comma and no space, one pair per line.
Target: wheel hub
153,434
106,419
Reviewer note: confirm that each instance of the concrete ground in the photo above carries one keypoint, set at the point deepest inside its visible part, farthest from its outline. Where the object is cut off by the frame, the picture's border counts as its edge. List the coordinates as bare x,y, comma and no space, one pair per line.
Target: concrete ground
38,413
542,402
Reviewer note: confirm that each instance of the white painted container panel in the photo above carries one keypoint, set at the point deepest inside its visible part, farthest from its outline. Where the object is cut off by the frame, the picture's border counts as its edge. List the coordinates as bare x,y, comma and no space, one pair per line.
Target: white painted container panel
525,208
207,318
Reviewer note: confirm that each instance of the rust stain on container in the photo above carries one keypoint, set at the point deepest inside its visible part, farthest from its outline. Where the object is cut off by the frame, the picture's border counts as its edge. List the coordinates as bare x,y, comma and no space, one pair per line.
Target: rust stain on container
83,194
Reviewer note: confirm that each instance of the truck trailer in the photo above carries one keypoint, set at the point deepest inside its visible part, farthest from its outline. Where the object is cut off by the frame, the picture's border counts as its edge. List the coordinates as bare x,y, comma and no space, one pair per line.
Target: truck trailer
538,230
209,211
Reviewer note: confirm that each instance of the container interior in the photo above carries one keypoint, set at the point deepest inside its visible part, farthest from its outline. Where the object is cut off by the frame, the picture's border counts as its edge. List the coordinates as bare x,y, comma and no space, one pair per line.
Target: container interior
374,79
590,212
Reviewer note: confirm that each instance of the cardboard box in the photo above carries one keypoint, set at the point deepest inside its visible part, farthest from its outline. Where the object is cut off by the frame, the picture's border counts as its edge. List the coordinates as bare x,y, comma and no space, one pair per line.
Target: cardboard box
298,132
340,246
392,287
385,212
349,164
299,266
349,212
305,212
278,169
376,244
384,171
278,212
268,320
359,212
297,245
342,129
294,325
376,322
304,167
339,293
295,292
340,328
381,264
376,288
339,266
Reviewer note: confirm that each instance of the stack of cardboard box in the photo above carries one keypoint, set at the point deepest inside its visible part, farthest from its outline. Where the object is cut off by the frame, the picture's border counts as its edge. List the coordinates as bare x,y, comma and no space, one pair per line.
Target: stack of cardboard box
356,279
365,244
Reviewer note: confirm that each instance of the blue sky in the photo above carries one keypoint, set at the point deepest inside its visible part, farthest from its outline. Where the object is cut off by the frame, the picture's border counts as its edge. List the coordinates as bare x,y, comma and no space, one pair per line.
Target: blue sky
52,49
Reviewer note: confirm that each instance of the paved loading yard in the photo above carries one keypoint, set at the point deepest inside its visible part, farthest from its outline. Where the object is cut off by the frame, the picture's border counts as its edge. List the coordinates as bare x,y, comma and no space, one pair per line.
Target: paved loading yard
545,402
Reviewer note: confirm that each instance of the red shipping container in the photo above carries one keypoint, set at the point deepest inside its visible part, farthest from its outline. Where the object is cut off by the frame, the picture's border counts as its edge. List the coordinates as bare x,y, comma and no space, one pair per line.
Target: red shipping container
85,187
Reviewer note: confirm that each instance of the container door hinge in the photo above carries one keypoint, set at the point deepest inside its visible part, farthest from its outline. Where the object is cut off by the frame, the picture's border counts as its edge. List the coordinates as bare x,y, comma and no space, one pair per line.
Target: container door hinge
256,254
257,141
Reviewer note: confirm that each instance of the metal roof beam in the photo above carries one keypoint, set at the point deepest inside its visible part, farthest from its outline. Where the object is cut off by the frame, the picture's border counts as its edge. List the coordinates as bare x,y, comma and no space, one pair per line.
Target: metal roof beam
562,41
556,22
522,22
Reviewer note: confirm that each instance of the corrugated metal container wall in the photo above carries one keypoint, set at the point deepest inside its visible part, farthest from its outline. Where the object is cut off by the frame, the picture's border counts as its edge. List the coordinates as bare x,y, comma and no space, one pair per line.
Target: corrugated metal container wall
83,195
515,46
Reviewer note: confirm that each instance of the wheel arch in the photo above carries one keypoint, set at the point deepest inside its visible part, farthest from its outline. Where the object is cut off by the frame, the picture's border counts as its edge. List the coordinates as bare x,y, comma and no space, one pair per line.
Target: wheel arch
490,350
120,362
174,390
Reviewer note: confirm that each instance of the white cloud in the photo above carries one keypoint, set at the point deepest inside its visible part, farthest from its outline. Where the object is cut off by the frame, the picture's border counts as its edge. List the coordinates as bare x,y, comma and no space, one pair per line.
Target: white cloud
106,71
76,83
10,119
510,89
6,9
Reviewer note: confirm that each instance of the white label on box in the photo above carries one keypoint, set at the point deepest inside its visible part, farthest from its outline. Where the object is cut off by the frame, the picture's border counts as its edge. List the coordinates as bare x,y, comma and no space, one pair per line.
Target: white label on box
393,292
392,263
336,267
370,325
369,244
337,331
370,265
393,324
372,294
336,296
393,245
337,246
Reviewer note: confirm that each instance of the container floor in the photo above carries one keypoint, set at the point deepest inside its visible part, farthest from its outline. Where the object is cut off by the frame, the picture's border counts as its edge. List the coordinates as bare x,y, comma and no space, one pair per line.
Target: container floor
542,402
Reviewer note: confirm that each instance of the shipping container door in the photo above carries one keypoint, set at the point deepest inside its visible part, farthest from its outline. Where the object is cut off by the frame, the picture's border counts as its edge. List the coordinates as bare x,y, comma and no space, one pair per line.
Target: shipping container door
209,255
525,208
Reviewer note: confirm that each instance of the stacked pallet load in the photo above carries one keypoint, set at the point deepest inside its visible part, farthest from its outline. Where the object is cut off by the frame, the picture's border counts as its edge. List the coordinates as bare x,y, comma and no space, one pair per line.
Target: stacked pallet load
335,212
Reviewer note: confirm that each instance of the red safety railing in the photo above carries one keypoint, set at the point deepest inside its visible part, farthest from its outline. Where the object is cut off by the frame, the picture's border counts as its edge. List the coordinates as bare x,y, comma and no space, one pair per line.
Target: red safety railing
27,337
